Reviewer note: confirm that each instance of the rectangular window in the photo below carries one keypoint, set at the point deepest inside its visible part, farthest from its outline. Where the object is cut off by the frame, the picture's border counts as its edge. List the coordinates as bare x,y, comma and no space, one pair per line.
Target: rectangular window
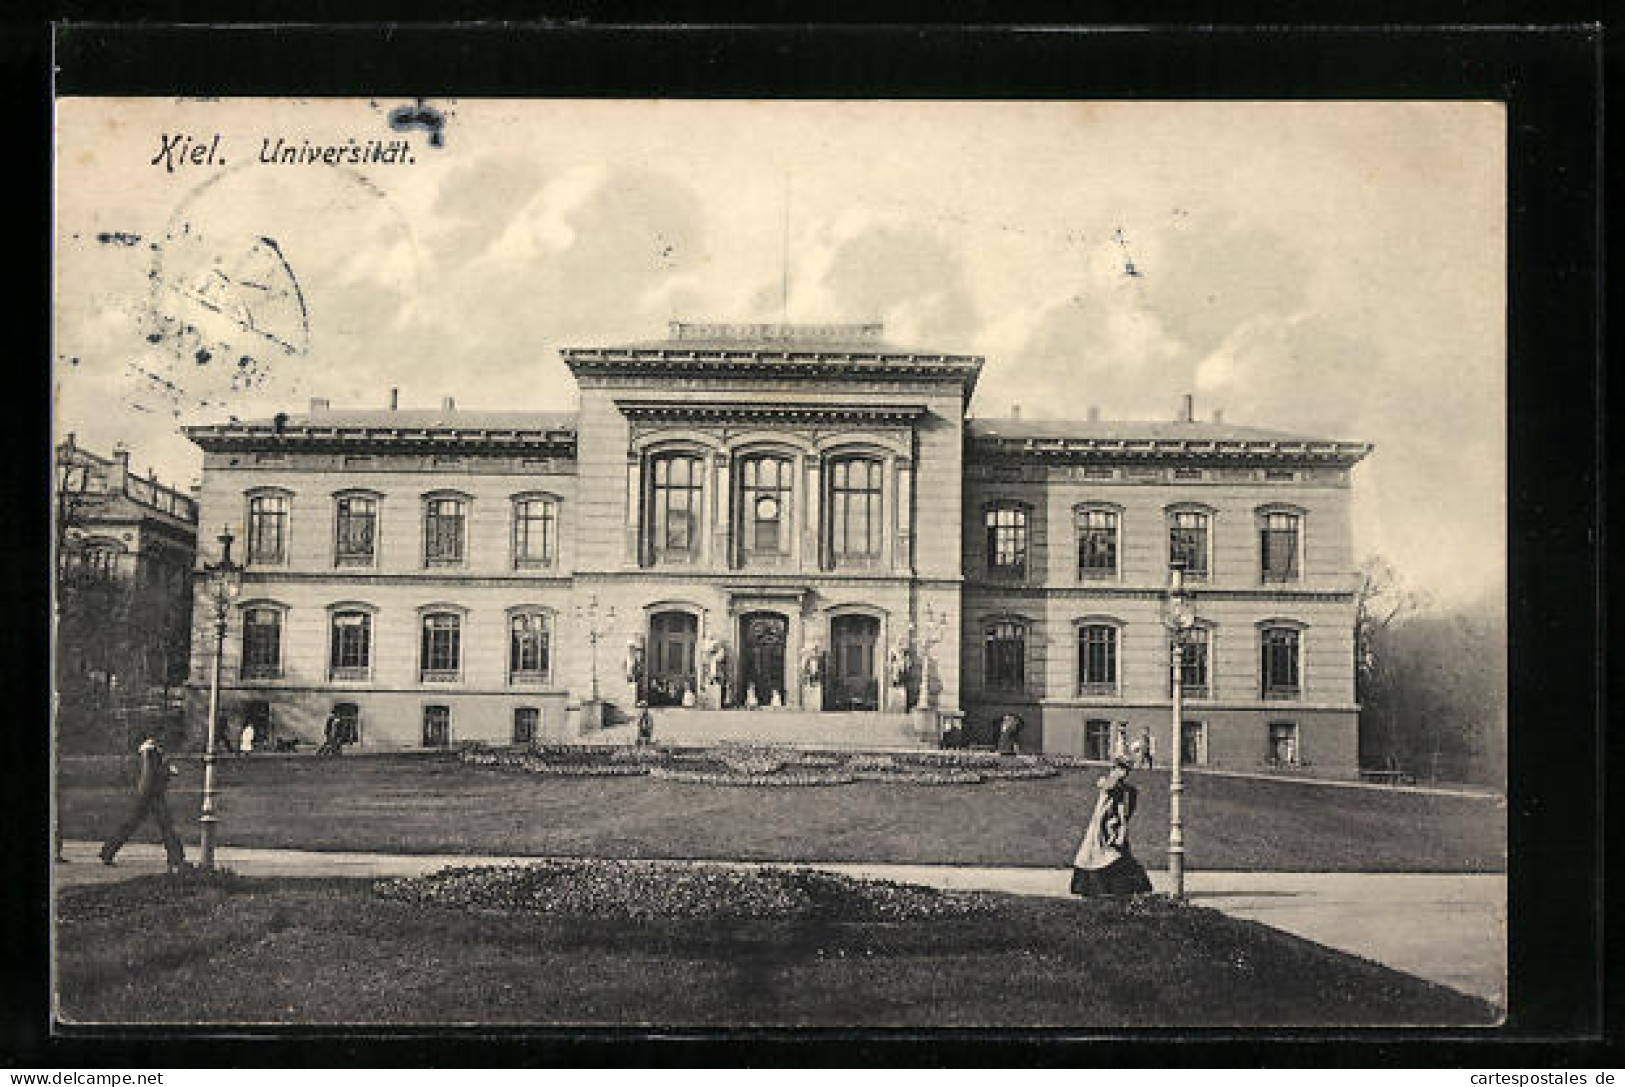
1187,473
1097,660
1099,473
764,492
535,526
1193,669
1187,542
1097,544
1097,740
1283,741
351,654
1005,657
1279,666
443,526
525,719
854,514
357,530
436,726
1279,475
268,529
1007,541
1278,546
262,643
441,652
528,647
677,488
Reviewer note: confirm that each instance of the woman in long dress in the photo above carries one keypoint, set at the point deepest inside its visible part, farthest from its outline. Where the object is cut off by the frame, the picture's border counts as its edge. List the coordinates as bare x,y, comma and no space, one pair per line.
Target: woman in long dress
1104,864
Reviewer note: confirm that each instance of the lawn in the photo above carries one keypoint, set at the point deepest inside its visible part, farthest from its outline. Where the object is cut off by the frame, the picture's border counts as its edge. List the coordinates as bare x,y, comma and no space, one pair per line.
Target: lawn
421,804
155,950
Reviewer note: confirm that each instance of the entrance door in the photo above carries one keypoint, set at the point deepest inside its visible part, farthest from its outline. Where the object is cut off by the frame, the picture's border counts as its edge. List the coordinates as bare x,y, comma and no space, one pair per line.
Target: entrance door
761,658
852,681
672,635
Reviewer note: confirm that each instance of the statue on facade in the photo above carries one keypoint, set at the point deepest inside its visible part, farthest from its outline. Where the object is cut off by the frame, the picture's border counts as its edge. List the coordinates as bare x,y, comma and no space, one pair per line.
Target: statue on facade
812,664
716,662
899,663
634,660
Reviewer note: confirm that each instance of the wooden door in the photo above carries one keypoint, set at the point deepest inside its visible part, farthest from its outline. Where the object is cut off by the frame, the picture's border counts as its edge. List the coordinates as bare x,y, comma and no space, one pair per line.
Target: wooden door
853,683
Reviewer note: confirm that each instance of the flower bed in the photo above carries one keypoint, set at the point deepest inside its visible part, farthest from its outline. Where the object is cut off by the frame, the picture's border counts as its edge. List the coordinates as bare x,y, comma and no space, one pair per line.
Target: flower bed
920,777
585,770
732,777
644,890
1017,773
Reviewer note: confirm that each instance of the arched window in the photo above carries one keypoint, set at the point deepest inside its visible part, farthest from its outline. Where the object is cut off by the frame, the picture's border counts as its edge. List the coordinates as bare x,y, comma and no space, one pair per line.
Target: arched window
1279,544
262,642
1279,663
355,529
440,652
529,647
1004,655
676,490
445,530
1097,658
350,644
1188,541
1097,542
1006,524
855,525
267,529
764,506
535,531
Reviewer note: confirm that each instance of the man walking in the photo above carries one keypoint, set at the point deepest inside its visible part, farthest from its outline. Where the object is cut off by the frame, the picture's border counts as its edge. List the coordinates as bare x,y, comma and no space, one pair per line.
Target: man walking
151,798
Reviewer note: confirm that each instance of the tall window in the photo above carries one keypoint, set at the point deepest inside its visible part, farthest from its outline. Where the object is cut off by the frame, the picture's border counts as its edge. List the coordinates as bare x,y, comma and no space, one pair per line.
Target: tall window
1283,743
441,650
525,719
444,531
1279,666
356,534
262,643
350,655
535,531
1097,659
268,528
764,516
436,726
1004,656
1187,541
676,489
528,649
854,511
1097,543
1007,540
1278,546
1193,664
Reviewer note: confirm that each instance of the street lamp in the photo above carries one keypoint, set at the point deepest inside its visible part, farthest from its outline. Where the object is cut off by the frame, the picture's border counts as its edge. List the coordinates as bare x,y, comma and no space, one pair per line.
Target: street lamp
225,581
1180,619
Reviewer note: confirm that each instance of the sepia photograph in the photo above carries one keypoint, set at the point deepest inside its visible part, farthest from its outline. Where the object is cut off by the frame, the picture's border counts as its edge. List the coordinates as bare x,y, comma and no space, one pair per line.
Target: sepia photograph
779,563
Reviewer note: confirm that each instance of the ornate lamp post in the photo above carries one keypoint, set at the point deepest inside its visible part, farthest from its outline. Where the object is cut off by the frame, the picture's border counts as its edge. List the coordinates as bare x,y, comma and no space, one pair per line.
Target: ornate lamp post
590,617
225,580
932,629
1180,619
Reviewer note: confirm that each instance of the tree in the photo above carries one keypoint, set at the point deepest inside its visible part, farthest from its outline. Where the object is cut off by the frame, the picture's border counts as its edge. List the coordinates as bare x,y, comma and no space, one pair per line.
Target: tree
1380,600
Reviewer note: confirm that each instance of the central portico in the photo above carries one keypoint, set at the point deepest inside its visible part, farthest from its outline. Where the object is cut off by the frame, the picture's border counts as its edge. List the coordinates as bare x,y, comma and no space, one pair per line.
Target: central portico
775,508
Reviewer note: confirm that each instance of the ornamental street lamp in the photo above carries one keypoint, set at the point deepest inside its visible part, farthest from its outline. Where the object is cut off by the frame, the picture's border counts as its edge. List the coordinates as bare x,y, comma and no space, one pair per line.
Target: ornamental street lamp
225,580
590,616
1180,618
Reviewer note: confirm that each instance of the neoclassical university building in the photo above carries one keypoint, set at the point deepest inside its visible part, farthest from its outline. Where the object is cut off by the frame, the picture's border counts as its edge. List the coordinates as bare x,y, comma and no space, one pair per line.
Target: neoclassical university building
781,533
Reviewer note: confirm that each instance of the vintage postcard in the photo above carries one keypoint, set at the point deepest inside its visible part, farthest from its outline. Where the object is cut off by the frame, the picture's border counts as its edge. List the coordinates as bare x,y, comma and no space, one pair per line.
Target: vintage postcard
857,564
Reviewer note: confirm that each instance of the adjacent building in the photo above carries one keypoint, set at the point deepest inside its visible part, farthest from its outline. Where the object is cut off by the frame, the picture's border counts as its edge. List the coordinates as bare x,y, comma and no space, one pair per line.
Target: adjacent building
787,533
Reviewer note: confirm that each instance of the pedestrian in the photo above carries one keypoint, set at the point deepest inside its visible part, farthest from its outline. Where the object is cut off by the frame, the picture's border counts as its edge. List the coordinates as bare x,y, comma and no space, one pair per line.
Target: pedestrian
246,743
151,798
332,735
1009,730
1104,864
646,725
1147,747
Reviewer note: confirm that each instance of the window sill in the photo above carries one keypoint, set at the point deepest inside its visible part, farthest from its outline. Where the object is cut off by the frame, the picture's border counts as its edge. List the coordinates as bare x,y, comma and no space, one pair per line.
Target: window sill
439,677
528,679
349,675
1282,696
258,677
533,564
1098,690
354,563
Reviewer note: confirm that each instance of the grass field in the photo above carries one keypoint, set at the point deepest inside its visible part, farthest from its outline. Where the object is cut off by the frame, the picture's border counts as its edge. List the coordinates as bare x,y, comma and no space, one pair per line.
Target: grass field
153,950
421,804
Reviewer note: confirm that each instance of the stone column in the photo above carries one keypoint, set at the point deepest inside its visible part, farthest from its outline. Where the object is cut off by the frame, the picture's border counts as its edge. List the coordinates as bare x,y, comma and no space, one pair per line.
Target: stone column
904,521
812,526
723,552
634,507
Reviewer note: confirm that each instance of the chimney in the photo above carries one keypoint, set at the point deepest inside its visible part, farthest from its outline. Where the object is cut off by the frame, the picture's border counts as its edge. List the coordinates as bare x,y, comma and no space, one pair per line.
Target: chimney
1187,409
1094,413
448,404
121,466
394,399
1218,415
317,405
1015,411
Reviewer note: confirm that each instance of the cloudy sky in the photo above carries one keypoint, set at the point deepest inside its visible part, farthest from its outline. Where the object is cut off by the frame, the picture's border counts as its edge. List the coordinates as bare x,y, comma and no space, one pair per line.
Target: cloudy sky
1333,269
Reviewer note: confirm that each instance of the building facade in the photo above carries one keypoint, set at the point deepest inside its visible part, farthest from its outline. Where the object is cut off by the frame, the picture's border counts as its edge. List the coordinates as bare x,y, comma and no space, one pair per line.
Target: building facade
781,533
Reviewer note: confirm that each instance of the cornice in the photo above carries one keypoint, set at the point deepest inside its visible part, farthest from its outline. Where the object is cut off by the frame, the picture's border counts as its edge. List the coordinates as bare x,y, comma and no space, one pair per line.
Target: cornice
768,412
316,437
963,369
1117,450
985,589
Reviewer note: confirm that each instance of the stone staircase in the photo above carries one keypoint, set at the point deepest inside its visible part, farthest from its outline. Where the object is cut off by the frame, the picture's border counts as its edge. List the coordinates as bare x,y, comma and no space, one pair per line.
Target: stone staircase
789,728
